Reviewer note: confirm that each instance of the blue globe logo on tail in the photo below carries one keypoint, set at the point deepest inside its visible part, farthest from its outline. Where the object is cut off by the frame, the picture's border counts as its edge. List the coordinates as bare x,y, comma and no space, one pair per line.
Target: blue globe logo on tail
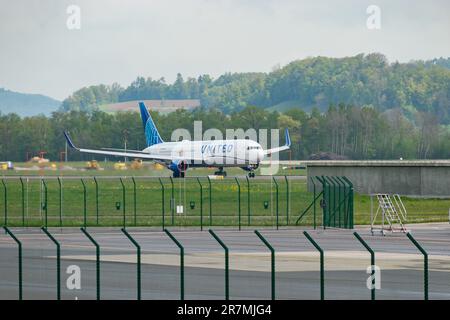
151,133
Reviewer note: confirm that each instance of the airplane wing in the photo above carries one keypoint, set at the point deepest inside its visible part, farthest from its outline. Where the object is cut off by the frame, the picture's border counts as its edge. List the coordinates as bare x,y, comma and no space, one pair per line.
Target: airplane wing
279,149
129,154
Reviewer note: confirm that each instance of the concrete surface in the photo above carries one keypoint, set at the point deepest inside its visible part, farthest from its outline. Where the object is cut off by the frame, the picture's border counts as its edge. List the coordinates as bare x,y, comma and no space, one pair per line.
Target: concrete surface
297,264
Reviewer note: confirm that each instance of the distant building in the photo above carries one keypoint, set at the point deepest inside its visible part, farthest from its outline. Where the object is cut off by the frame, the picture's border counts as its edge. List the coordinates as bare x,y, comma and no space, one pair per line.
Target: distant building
163,106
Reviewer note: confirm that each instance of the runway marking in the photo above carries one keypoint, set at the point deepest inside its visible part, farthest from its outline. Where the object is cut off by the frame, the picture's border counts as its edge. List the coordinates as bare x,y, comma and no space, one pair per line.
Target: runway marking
286,261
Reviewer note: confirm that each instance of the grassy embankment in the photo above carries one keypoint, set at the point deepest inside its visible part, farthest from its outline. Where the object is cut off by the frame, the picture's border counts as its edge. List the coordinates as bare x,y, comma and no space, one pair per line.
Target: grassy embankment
149,199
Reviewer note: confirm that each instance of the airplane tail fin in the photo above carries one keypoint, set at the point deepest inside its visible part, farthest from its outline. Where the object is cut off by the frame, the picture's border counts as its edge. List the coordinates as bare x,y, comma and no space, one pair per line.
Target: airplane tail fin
151,133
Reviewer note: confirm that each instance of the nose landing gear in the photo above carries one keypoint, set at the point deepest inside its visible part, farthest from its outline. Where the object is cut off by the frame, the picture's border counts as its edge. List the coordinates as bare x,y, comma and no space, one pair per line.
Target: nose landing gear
220,172
251,174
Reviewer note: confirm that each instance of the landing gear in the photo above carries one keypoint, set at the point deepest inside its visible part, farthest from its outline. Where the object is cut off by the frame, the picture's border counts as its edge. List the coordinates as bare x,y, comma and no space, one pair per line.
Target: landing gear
220,172
251,174
178,174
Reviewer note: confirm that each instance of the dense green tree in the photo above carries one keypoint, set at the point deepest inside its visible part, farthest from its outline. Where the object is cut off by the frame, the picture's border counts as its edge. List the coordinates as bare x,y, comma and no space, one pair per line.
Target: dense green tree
346,130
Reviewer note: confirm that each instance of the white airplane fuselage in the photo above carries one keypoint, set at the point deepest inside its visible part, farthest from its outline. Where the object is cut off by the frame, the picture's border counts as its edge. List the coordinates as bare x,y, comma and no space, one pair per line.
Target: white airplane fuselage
220,153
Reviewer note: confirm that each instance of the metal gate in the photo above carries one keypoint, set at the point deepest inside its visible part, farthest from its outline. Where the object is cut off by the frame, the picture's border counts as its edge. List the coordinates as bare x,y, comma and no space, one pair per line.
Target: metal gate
334,195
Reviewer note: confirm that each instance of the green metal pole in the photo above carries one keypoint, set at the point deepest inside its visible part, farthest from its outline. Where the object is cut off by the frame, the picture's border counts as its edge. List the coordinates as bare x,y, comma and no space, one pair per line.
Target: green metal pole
6,203
60,201
84,203
23,201
45,203
239,202
322,271
134,201
181,262
425,264
210,202
272,252
123,200
97,260
276,186
248,201
19,244
372,261
163,200
58,263
350,226
227,265
201,204
287,200
345,206
172,201
314,209
96,198
138,253
339,198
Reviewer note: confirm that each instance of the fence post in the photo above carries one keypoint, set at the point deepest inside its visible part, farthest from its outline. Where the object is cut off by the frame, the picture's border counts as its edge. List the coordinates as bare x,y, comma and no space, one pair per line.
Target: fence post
314,209
345,205
84,202
331,195
172,201
338,183
201,204
6,203
372,261
60,201
322,272
425,264
272,252
210,202
97,260
123,200
134,201
350,201
181,262
96,197
239,202
19,245
163,200
287,199
45,203
227,265
23,201
248,200
58,262
138,253
276,186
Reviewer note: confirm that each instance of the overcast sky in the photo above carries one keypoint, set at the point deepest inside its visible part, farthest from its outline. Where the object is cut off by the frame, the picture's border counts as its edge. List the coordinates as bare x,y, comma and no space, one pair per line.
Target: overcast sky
120,40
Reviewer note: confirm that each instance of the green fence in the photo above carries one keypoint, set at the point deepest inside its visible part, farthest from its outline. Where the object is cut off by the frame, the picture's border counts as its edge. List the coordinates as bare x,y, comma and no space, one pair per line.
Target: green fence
20,280
335,198
150,201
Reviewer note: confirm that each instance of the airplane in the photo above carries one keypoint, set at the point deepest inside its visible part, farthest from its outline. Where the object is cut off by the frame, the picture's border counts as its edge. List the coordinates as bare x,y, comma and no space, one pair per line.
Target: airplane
181,155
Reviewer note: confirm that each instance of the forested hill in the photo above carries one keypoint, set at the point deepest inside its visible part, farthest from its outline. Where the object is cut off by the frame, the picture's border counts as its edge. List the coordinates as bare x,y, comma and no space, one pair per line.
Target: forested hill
25,104
361,80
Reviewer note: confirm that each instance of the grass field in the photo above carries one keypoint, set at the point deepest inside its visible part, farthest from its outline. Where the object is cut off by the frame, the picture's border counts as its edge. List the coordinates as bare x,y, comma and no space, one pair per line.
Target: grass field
145,207
107,169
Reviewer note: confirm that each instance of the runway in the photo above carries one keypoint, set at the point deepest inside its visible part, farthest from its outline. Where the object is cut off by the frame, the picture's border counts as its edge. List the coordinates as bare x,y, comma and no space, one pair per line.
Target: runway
297,263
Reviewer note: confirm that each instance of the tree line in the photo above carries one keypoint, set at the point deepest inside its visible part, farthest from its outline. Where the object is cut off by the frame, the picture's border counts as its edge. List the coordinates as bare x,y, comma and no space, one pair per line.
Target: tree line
345,130
362,80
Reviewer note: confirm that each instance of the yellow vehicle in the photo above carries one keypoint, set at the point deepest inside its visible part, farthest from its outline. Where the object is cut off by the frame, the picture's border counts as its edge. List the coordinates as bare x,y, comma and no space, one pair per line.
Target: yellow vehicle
6,165
136,164
92,165
120,166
